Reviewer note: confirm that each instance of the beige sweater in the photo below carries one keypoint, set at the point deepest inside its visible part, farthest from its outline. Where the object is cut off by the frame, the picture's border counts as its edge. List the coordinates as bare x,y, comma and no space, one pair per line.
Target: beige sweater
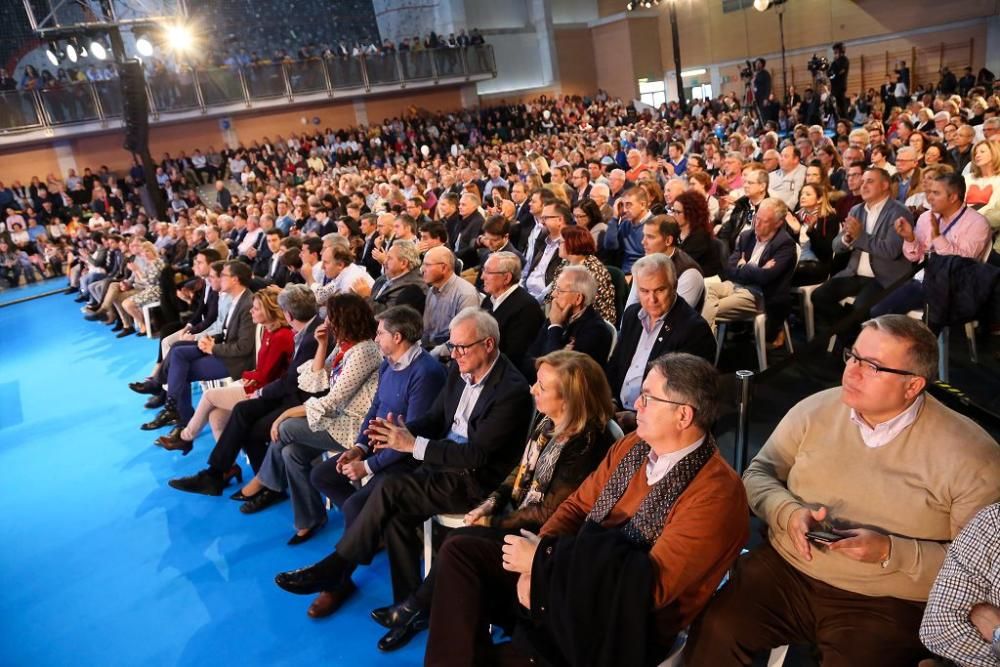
920,489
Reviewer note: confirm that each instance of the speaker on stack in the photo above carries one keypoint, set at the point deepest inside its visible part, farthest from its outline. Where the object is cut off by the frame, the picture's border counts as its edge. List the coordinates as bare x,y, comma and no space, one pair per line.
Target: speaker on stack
135,107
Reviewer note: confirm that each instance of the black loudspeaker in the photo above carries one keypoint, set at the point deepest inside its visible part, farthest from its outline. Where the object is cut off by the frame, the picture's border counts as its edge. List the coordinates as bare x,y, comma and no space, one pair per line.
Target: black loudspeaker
135,107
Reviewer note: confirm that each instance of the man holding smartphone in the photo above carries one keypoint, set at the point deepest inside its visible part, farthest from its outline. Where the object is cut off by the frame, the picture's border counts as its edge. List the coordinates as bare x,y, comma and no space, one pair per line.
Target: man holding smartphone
892,474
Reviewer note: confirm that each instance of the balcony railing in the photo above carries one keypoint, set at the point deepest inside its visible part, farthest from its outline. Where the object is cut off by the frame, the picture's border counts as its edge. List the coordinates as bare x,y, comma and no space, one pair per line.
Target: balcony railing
203,89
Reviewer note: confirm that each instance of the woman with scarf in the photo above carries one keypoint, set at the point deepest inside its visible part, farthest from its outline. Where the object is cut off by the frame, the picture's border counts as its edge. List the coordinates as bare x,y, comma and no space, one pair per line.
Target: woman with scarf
568,439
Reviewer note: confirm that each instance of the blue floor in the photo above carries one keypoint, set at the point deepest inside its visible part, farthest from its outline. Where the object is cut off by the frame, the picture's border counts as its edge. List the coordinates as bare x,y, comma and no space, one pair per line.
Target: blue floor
102,563
10,295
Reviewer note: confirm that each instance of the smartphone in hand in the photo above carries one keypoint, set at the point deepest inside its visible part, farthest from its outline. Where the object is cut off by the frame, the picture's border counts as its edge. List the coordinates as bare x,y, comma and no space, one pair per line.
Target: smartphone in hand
823,537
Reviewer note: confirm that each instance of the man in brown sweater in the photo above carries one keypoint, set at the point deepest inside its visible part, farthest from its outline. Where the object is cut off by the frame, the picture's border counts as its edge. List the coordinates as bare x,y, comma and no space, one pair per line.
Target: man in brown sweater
889,475
692,534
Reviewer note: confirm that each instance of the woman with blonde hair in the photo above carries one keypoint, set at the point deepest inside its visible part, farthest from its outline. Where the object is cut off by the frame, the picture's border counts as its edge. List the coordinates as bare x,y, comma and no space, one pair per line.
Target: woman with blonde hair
917,199
273,356
568,439
814,226
982,183
145,279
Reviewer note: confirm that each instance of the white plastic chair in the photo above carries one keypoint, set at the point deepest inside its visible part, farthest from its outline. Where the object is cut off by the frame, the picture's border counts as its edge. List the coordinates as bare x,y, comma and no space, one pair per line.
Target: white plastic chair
146,316
805,294
614,338
446,520
759,336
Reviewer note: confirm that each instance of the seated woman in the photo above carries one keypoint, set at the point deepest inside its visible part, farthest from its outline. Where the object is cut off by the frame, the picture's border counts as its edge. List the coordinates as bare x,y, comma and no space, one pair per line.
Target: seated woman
302,433
577,248
147,282
691,211
568,439
275,352
813,226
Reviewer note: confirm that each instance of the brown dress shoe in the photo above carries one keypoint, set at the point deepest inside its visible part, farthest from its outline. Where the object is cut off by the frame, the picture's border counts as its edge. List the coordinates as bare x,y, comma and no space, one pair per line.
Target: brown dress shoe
328,602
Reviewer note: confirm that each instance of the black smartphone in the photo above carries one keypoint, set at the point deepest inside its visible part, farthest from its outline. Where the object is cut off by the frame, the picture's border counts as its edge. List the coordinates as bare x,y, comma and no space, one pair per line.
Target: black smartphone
823,537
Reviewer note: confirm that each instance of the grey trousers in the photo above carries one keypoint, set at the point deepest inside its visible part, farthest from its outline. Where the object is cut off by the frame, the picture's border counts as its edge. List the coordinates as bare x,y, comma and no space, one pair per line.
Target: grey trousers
287,465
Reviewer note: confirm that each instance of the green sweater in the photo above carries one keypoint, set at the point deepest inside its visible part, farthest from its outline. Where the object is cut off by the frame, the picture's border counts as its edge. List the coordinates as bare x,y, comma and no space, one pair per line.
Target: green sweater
920,489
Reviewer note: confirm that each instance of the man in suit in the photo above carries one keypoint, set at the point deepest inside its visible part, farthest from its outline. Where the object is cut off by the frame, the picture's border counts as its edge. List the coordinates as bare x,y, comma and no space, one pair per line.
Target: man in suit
760,269
573,322
401,284
249,425
223,197
661,322
370,228
496,238
541,268
523,221
517,313
877,259
227,355
468,442
469,226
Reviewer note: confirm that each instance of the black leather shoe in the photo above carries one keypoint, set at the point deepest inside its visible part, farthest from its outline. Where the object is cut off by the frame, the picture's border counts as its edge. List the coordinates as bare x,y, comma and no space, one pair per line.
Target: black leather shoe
127,331
118,326
262,500
81,299
207,482
400,636
309,580
147,386
395,615
163,418
93,316
299,539
157,401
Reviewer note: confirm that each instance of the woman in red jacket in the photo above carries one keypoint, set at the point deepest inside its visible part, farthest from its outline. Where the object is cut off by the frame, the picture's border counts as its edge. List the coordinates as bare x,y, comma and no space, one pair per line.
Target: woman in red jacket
273,356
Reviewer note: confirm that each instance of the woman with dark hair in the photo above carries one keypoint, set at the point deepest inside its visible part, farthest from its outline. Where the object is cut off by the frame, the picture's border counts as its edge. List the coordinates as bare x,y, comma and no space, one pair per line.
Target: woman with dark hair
588,215
938,153
657,202
349,228
568,439
578,248
691,211
302,433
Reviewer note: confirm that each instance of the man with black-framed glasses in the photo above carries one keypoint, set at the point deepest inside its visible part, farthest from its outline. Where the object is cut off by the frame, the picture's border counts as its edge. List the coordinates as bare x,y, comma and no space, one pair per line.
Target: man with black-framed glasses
862,487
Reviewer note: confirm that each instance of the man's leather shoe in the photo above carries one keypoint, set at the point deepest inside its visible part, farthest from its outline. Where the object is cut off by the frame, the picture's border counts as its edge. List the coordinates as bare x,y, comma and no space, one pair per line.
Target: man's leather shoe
400,636
207,482
147,386
163,418
174,442
157,401
395,615
118,326
81,299
328,602
127,331
262,500
309,580
93,316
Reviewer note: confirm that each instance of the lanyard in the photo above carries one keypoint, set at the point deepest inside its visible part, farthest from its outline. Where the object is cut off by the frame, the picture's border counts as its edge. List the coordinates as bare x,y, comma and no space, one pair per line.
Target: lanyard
944,232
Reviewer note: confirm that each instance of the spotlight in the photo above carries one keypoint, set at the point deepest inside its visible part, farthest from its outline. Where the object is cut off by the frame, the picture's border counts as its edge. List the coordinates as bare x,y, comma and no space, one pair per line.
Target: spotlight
178,37
144,46
761,5
53,54
71,53
98,50
629,7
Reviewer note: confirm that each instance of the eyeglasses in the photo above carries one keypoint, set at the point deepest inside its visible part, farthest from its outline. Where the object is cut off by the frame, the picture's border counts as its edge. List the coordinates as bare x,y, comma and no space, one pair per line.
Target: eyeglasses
870,368
557,290
645,398
461,349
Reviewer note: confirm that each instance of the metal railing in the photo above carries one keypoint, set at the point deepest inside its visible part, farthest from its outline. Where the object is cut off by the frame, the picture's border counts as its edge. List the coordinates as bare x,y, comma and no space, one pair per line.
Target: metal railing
201,89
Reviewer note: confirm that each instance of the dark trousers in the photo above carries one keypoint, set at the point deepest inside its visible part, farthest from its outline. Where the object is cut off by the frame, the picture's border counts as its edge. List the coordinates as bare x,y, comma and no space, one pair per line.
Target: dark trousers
471,591
827,308
249,429
810,273
343,493
908,296
189,364
395,511
768,603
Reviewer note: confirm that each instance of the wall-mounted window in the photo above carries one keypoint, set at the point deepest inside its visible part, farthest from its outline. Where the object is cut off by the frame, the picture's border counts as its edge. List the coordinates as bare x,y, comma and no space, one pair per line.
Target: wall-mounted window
652,93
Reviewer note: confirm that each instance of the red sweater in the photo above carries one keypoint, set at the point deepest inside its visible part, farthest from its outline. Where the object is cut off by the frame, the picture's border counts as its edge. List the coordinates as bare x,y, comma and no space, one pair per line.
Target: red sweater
272,360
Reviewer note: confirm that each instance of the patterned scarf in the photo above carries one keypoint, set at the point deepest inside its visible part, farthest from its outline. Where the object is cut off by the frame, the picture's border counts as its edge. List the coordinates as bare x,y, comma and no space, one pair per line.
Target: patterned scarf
538,463
645,527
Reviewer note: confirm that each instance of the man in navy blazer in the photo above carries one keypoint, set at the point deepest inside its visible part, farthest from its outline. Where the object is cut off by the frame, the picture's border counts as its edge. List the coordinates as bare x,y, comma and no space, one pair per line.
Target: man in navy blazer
661,322
249,425
877,259
760,273
468,442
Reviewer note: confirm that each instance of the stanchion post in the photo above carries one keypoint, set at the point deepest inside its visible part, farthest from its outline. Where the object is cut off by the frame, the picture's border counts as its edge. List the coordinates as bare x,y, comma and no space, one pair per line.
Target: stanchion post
744,380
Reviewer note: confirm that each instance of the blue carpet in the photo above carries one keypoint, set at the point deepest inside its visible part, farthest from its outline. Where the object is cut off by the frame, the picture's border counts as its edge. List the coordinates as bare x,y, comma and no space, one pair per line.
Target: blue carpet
32,289
103,563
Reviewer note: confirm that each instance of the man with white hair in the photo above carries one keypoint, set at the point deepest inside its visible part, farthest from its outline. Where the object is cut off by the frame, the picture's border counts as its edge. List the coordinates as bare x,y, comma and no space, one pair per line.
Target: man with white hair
601,194
617,180
907,162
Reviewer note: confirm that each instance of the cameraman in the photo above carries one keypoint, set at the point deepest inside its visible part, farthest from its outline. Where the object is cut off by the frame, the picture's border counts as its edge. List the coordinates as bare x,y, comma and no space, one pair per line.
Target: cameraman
838,78
761,86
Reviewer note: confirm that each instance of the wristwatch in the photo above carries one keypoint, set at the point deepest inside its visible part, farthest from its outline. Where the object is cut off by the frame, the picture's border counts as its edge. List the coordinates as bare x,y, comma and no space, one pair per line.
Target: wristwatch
996,642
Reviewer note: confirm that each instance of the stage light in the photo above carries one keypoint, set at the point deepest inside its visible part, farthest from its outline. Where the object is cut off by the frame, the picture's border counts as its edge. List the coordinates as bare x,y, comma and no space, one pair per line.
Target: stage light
52,53
144,46
71,53
761,5
178,37
98,50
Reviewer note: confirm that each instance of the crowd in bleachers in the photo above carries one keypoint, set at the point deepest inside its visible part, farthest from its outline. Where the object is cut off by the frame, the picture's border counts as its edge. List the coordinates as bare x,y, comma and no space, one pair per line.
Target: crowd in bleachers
512,314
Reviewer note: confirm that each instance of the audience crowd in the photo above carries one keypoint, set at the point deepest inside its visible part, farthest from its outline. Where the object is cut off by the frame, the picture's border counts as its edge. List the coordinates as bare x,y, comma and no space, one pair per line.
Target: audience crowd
510,314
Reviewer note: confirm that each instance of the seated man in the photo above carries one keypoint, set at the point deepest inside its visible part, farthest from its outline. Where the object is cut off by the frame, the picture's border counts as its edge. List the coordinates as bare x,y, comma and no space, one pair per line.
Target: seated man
401,284
760,274
573,322
468,441
409,382
447,294
662,234
877,259
517,313
661,322
862,487
340,274
249,426
541,271
962,618
495,238
641,545
948,228
625,230
227,355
